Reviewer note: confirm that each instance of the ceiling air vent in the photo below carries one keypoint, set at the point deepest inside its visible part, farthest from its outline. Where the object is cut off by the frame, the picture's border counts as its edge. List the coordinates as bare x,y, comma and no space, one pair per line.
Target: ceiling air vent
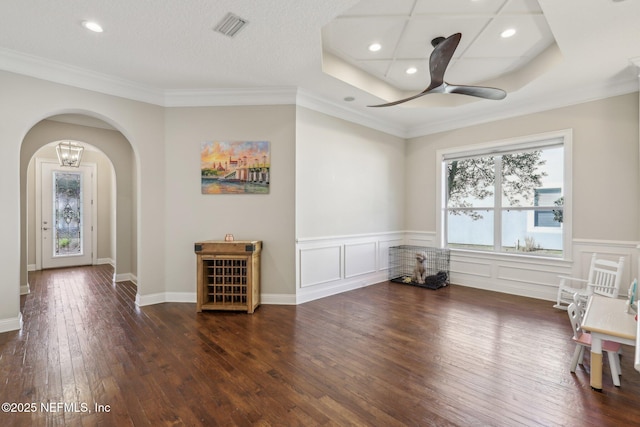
230,25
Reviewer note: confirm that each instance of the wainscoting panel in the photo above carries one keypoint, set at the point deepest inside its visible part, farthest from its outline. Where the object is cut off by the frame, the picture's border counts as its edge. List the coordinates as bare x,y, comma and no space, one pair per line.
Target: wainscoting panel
421,238
331,265
360,258
530,276
320,265
537,277
468,265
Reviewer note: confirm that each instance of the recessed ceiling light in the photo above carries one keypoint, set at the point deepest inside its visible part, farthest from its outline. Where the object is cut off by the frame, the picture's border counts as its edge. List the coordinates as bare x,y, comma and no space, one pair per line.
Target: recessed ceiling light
411,70
92,26
508,33
374,47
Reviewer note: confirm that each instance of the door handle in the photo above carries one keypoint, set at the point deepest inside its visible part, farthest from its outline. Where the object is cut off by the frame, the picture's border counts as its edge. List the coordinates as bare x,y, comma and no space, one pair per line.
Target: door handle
45,228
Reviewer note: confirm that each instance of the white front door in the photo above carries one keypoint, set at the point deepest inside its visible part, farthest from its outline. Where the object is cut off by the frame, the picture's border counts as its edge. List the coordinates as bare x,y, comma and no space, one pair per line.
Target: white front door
66,215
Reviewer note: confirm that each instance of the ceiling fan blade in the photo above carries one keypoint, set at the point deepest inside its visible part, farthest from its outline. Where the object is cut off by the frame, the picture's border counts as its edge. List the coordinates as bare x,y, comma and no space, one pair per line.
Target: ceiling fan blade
440,58
438,62
478,91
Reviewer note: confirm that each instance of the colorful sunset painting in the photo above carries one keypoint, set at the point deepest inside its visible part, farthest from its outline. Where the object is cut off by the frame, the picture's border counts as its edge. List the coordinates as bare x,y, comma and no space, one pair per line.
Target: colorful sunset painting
235,167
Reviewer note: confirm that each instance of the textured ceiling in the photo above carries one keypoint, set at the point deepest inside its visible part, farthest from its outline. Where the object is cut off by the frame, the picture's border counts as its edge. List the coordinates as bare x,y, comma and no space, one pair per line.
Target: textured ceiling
166,52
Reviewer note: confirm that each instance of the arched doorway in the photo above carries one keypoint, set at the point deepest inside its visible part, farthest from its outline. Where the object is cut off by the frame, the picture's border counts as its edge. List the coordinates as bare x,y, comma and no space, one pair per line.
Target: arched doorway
113,156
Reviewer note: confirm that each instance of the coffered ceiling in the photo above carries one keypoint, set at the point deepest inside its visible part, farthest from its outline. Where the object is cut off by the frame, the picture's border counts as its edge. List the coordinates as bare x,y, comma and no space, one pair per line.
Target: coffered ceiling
404,30
315,53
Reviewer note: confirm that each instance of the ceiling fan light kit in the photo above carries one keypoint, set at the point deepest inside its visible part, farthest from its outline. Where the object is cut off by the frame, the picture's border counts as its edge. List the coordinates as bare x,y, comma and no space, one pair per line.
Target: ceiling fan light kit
438,62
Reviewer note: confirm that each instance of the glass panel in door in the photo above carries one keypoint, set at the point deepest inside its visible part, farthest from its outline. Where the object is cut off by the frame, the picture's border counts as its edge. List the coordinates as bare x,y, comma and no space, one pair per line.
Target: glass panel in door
67,213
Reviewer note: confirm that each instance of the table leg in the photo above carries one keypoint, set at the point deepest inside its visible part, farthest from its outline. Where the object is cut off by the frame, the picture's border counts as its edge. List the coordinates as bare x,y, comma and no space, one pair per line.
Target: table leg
596,363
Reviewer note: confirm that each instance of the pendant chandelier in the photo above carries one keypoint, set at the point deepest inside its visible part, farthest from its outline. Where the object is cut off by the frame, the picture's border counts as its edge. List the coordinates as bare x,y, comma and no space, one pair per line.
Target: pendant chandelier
69,154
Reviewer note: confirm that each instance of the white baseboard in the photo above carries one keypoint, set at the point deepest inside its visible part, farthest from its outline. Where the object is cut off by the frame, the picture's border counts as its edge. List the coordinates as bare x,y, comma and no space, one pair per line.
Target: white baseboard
277,299
25,289
191,297
31,267
162,297
11,324
151,299
125,277
338,287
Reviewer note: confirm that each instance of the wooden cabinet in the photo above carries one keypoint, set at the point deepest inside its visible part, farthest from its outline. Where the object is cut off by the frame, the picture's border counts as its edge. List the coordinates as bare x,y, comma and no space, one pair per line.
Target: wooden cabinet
228,275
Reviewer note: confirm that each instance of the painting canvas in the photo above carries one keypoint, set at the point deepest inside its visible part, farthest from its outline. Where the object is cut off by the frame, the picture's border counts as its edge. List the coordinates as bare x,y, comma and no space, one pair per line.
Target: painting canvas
235,167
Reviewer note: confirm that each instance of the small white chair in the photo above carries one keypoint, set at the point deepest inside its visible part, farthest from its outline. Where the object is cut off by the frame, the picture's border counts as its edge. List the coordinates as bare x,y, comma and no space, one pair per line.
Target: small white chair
583,340
604,279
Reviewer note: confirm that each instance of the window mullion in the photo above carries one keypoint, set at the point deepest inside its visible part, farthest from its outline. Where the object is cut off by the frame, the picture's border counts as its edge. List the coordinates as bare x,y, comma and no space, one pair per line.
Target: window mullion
445,211
497,204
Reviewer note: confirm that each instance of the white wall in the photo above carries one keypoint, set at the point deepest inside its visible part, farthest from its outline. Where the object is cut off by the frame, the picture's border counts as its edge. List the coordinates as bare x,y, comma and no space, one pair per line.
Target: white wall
192,216
349,178
349,203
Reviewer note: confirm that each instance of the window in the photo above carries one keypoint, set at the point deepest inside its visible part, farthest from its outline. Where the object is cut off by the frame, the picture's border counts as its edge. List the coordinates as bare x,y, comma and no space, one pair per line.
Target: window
507,197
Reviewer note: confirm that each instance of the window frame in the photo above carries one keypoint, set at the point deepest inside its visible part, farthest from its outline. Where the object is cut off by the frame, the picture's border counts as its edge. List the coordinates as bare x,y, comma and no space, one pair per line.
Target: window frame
542,140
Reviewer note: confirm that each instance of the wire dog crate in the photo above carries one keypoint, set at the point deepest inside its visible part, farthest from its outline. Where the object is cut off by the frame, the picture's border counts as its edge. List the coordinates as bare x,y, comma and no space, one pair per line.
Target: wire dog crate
419,266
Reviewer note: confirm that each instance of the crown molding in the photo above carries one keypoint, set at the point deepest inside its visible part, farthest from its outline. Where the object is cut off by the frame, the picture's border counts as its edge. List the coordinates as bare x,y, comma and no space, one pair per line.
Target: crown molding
313,102
529,106
40,68
230,97
57,72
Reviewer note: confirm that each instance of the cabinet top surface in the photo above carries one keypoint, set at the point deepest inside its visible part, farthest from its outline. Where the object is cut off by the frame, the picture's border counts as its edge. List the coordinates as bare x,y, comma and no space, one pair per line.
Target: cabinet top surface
235,247
231,242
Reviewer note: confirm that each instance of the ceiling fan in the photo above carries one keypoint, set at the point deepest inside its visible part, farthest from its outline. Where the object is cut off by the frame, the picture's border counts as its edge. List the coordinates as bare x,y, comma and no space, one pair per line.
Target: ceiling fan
438,62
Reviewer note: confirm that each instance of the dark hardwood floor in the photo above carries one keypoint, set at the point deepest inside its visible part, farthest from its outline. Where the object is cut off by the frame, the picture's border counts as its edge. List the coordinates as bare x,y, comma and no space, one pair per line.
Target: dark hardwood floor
385,355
